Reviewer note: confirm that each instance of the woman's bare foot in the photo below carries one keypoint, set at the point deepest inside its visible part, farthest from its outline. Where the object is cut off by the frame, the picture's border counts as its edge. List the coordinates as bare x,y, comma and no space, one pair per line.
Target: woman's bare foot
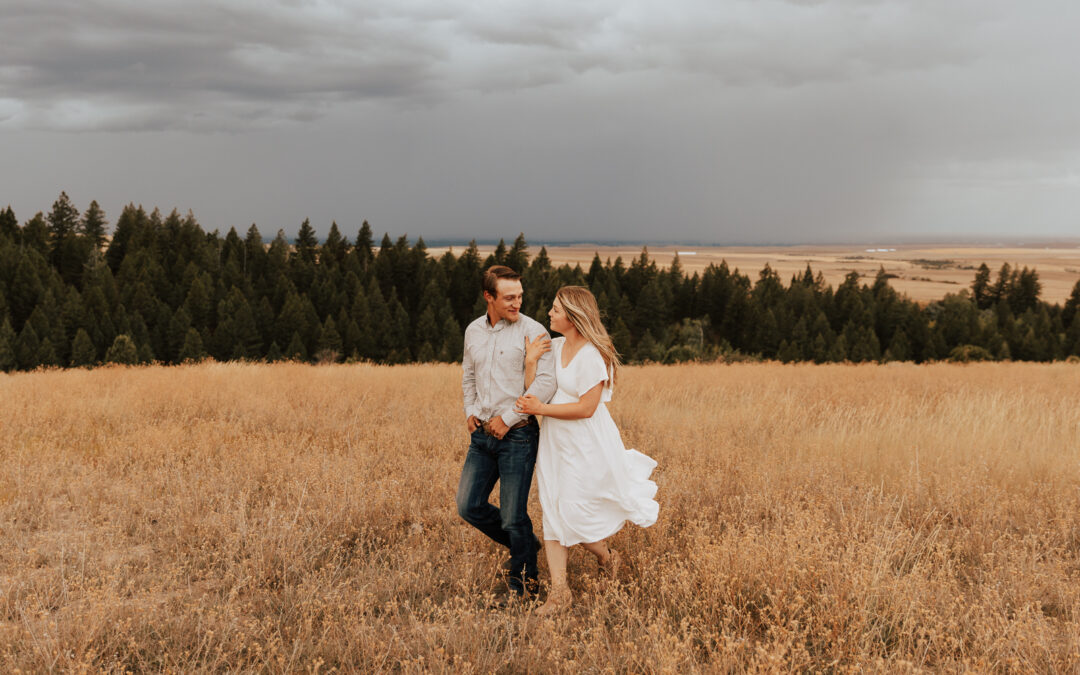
559,600
610,567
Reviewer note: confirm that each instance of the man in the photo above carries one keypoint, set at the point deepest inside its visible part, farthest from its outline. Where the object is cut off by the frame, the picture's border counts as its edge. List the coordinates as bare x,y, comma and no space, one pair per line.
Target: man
503,442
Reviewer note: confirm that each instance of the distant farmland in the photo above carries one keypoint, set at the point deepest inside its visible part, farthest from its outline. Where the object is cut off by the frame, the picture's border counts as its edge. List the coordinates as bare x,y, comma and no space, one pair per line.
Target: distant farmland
925,273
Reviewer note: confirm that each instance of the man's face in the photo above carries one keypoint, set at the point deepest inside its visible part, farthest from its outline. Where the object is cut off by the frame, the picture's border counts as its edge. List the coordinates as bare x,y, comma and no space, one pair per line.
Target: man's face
507,301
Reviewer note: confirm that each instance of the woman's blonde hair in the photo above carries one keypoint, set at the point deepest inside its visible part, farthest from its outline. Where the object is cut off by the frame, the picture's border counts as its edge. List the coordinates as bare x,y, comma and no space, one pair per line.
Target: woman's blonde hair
581,308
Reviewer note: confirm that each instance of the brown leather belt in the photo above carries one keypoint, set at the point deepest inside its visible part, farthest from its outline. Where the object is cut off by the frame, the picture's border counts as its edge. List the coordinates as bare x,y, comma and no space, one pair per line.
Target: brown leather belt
486,425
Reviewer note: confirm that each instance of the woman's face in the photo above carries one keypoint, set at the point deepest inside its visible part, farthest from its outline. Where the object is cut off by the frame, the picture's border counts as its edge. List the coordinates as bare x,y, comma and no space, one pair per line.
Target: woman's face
560,323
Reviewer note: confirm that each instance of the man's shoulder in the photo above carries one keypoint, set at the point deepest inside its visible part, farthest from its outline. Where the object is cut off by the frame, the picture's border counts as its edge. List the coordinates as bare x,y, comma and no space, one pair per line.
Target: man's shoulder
531,326
476,324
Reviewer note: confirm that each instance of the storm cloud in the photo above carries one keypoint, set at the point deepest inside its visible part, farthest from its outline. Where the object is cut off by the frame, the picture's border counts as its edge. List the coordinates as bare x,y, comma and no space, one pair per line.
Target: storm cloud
745,121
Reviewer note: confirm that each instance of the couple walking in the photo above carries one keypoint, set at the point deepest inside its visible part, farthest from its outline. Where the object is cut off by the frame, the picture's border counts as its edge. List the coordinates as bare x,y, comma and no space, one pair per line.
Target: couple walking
589,483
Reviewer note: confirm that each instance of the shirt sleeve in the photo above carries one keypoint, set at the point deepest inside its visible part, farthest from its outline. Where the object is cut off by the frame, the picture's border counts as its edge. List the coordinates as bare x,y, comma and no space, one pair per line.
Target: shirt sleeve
543,386
591,371
468,379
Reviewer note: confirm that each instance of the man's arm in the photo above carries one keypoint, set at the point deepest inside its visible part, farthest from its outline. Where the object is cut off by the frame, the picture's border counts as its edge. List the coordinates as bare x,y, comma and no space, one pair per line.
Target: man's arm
543,385
468,385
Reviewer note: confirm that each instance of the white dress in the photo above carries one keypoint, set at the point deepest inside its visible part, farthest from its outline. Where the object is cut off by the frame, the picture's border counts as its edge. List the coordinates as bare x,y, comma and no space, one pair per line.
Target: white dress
589,483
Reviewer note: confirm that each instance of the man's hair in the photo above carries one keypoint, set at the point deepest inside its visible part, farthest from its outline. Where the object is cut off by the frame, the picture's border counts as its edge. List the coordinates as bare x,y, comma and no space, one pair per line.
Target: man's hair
492,276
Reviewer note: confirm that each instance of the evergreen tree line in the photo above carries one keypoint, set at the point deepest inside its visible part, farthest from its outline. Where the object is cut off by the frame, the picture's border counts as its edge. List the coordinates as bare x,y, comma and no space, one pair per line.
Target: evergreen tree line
161,289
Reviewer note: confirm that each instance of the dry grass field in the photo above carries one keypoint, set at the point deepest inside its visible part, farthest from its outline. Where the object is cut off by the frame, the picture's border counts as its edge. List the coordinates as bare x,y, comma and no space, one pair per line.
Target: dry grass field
292,518
924,272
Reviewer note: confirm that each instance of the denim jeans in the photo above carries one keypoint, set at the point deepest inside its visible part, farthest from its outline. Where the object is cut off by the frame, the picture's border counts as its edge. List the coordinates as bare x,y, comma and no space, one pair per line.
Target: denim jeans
508,461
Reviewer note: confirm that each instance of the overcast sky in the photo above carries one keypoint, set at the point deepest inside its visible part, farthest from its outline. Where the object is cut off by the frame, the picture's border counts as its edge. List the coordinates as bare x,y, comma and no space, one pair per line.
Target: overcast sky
726,121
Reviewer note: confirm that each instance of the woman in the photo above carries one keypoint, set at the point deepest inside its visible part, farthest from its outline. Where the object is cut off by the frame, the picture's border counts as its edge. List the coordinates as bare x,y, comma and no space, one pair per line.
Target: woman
589,483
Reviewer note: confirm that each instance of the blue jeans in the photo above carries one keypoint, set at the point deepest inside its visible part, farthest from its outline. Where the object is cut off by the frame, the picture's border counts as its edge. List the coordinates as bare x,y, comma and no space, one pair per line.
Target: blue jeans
508,461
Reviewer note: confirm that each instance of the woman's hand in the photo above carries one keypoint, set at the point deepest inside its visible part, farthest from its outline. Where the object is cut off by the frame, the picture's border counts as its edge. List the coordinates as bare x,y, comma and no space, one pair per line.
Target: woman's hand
537,348
528,405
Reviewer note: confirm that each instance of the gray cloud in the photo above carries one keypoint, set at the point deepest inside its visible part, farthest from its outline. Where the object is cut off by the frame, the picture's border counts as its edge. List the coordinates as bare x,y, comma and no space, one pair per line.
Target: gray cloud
743,120
187,65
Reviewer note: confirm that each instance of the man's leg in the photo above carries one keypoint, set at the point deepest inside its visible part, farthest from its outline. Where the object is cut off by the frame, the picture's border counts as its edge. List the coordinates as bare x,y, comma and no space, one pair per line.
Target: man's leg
478,478
517,457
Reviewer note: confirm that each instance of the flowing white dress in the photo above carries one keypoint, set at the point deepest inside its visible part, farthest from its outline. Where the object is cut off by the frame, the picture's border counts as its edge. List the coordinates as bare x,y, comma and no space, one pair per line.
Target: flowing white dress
589,483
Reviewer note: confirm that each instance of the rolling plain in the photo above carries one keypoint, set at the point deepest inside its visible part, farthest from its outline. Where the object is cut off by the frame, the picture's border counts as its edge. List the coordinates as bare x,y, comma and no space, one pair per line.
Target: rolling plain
925,272
297,518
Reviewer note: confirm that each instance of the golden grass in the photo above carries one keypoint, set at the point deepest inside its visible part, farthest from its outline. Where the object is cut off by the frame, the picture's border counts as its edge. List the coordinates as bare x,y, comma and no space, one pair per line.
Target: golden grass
288,518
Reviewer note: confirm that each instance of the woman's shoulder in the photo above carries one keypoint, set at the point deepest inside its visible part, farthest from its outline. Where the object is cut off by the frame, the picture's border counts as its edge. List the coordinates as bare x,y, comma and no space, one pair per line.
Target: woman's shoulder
592,353
558,342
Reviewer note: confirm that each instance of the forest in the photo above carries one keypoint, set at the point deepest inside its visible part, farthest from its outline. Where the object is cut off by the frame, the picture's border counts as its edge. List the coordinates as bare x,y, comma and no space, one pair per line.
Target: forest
160,289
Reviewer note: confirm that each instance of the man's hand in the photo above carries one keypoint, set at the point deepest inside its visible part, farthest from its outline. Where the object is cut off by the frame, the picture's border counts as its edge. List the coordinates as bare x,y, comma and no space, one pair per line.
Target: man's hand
471,423
498,427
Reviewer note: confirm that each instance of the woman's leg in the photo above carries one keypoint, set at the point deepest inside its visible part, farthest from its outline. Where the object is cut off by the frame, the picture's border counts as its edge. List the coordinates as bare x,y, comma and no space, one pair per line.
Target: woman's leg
559,597
600,550
607,558
556,559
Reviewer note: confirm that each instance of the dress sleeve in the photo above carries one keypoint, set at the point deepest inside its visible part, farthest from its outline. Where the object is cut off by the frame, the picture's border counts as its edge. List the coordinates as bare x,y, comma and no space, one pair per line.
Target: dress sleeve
591,372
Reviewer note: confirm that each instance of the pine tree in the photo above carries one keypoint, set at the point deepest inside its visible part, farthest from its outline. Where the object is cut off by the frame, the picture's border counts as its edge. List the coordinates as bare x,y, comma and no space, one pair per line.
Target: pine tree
63,221
132,219
296,349
365,246
620,337
334,249
306,242
199,303
92,226
819,349
35,235
179,325
453,341
647,349
122,351
517,258
425,354
26,289
26,347
1072,306
145,353
329,342
427,328
789,352
83,353
980,288
192,349
8,358
838,352
46,355
254,260
1023,293
9,225
542,262
899,348
273,354
1071,346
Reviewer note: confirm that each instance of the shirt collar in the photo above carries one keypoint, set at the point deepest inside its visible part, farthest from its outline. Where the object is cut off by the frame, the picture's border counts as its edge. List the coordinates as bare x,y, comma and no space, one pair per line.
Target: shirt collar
499,325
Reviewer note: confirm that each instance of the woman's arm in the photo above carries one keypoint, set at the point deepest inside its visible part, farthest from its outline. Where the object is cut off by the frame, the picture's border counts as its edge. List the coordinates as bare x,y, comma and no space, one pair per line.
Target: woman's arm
583,408
533,351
